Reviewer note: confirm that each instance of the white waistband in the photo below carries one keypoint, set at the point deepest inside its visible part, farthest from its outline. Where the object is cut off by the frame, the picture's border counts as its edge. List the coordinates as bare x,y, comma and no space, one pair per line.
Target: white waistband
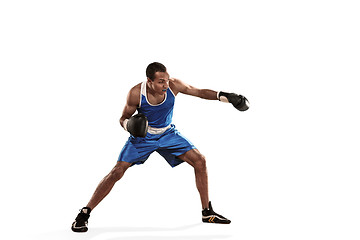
153,130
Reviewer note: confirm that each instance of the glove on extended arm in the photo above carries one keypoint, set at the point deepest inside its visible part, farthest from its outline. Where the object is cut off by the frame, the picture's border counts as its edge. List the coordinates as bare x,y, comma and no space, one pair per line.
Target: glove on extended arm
238,101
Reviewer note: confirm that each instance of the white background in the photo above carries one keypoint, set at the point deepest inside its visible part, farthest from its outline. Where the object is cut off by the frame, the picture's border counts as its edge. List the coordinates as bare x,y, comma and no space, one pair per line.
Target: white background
286,169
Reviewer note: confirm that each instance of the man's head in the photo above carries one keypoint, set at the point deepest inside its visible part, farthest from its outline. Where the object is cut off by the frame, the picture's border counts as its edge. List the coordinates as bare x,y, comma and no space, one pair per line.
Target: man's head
157,78
153,68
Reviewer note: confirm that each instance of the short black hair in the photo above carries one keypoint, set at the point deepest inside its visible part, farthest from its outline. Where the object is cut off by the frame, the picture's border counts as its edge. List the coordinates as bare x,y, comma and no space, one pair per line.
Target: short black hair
154,67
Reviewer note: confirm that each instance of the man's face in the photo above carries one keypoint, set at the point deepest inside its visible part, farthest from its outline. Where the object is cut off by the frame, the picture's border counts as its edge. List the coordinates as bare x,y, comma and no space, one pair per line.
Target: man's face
160,83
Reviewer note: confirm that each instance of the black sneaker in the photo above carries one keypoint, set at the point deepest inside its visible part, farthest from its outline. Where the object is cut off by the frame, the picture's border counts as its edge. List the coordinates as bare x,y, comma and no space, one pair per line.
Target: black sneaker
209,216
81,221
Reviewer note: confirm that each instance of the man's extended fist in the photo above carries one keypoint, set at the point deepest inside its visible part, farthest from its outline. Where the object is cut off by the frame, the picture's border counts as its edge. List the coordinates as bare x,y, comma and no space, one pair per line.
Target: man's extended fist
238,101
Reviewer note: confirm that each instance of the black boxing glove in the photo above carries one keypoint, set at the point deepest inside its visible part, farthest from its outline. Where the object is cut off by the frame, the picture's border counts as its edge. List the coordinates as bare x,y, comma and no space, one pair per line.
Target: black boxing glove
238,101
137,125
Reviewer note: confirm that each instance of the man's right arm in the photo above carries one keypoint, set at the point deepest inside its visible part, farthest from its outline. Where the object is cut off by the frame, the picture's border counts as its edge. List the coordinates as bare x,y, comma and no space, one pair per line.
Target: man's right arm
132,103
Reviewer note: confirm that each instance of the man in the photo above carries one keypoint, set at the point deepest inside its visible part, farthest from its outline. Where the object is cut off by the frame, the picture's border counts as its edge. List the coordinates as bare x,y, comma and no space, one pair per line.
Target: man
152,130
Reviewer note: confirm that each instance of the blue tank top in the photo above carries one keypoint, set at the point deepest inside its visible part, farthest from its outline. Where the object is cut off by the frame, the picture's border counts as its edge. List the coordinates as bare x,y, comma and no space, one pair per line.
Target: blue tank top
159,115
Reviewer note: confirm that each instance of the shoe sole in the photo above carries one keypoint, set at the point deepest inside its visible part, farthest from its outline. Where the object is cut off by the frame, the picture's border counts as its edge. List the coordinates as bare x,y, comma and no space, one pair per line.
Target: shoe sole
79,229
215,219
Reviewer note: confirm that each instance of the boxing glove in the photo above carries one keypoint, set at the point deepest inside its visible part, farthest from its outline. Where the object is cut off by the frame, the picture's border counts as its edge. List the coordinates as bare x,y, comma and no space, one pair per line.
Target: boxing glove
137,125
238,101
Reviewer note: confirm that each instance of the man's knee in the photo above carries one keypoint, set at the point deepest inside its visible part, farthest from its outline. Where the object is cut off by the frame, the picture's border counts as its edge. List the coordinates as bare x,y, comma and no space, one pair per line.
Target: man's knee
118,171
200,162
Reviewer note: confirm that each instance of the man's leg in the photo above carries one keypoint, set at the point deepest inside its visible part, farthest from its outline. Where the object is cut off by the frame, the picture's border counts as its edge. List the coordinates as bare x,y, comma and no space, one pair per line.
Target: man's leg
107,183
197,160
102,190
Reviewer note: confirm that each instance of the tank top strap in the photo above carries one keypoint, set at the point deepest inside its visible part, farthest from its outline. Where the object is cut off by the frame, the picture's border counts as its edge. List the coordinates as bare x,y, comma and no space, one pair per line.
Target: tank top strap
143,88
142,92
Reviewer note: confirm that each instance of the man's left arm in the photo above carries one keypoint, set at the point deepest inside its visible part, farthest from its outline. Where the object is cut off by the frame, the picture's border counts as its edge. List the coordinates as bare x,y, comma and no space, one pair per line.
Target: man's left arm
238,101
180,86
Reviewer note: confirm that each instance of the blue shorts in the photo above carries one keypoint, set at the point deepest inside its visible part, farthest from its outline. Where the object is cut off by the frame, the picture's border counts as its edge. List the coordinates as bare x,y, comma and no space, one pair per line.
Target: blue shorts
169,144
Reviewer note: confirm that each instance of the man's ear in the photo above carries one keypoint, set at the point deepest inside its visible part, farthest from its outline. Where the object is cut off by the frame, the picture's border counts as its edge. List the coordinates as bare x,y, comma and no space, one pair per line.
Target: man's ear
149,80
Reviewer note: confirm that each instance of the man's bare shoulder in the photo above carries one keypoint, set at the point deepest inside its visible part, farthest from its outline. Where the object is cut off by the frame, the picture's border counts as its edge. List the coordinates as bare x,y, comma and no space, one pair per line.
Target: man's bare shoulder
174,81
176,85
134,95
136,88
